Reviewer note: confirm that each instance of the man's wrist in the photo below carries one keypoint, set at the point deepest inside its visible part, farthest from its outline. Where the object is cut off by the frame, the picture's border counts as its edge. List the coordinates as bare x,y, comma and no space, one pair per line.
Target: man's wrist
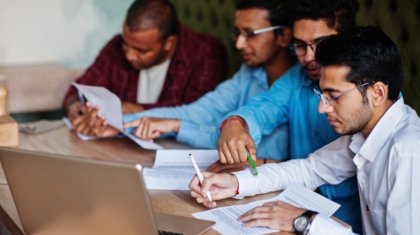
302,223
177,125
236,185
233,118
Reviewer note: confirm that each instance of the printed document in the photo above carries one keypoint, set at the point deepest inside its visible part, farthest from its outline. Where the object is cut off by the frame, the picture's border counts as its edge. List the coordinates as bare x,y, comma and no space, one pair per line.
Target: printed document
226,218
109,108
173,169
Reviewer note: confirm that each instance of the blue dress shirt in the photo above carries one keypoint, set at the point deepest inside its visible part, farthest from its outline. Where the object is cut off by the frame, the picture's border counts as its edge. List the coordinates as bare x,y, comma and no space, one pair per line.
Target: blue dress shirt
200,120
292,100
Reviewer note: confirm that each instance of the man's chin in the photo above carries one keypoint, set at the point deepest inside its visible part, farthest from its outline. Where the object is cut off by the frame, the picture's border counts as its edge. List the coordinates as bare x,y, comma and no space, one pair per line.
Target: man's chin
314,74
136,66
315,77
253,64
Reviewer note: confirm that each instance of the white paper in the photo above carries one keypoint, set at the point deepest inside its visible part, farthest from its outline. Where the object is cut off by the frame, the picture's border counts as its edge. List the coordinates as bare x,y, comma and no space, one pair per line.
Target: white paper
173,169
226,218
110,108
302,197
144,144
109,104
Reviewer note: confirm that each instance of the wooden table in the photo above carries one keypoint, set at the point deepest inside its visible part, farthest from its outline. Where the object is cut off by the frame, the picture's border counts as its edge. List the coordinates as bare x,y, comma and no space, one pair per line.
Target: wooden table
62,141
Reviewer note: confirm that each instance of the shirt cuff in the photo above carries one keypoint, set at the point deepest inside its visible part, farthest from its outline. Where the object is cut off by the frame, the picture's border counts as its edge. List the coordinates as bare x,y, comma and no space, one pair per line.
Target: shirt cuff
322,225
247,183
199,136
132,117
187,132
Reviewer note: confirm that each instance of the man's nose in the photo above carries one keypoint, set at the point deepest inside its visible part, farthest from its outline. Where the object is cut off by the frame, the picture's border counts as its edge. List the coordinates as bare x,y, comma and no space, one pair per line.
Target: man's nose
310,54
240,42
131,55
324,108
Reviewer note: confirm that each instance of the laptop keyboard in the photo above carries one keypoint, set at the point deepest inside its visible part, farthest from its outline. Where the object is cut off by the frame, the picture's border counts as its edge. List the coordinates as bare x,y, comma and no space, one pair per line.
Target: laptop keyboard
161,232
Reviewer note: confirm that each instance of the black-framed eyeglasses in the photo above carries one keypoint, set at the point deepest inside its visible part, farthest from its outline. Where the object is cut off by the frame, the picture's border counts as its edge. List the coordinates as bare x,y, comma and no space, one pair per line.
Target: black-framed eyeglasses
250,34
328,100
300,48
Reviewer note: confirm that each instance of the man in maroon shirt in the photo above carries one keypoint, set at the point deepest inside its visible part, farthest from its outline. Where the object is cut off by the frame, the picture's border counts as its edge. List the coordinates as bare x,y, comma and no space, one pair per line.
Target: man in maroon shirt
155,62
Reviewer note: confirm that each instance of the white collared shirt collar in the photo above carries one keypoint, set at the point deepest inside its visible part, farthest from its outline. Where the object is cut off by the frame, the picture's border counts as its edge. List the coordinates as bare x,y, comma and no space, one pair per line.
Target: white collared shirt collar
369,147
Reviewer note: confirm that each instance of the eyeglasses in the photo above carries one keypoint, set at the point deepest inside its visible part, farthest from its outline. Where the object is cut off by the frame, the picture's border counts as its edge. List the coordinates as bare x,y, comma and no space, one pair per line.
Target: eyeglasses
250,34
327,100
300,48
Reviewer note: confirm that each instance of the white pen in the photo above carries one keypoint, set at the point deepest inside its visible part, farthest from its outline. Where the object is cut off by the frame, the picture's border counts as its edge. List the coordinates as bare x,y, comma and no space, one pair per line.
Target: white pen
199,174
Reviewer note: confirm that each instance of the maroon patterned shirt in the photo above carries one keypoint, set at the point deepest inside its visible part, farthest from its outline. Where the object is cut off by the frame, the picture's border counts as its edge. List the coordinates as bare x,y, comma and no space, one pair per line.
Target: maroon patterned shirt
198,65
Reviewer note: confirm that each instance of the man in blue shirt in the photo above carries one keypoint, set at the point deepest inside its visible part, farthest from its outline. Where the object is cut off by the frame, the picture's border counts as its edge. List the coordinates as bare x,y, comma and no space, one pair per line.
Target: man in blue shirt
292,100
262,33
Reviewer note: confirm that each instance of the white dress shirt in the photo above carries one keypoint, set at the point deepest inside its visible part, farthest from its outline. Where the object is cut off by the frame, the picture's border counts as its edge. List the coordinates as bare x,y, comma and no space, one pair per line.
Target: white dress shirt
151,83
387,164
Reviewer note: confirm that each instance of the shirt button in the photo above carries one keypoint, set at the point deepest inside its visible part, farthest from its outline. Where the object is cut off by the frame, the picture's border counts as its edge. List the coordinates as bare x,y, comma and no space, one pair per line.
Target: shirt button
316,133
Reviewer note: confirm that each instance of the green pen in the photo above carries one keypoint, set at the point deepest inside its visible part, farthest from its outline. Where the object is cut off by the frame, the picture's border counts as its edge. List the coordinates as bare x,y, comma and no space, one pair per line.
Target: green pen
252,165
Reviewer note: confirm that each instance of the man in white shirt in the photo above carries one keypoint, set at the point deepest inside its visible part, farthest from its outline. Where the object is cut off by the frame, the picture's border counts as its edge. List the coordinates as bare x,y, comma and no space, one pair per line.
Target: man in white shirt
361,79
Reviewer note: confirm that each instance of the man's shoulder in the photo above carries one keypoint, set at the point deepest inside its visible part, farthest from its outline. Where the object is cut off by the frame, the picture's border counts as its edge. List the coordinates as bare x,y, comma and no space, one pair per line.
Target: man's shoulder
408,129
246,73
294,77
113,47
114,42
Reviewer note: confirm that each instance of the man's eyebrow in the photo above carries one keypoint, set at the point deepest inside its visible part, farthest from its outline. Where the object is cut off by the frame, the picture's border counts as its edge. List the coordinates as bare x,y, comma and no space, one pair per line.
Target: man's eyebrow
313,40
135,48
328,89
247,29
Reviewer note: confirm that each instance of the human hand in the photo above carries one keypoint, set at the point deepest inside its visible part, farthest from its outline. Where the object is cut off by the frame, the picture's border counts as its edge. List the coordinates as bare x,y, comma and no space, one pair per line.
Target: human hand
275,215
219,167
220,186
85,123
76,110
131,107
149,128
235,143
102,129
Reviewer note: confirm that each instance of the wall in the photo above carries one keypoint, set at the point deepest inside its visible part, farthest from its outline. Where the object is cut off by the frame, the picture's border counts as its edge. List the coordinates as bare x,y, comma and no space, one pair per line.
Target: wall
63,31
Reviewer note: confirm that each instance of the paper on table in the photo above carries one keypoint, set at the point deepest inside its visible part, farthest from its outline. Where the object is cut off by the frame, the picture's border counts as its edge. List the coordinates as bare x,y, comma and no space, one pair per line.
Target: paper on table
142,143
173,169
110,108
226,218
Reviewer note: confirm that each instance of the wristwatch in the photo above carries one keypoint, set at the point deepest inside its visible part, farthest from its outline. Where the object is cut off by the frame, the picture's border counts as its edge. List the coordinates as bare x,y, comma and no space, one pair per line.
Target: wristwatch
302,223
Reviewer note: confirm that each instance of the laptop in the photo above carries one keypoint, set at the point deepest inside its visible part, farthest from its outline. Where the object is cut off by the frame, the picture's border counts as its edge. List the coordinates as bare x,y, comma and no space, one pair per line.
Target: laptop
57,194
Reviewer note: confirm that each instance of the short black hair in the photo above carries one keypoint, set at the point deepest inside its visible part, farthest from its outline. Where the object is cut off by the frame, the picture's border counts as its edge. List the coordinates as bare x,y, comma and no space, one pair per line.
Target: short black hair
146,14
276,9
371,55
338,14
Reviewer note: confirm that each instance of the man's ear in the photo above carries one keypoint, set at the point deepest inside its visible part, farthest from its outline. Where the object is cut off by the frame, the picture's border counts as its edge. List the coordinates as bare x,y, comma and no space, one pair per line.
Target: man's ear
379,93
170,43
285,37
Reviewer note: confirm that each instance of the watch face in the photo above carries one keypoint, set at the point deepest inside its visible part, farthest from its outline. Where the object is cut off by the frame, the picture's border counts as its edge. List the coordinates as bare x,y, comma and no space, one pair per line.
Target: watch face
300,223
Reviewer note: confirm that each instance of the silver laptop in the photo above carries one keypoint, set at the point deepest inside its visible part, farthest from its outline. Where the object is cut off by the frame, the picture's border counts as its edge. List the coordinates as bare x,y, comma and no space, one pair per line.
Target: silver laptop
56,194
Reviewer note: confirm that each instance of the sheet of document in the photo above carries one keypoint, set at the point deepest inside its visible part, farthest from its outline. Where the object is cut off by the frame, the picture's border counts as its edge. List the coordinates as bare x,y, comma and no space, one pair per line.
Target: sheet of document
109,104
226,218
173,169
109,108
